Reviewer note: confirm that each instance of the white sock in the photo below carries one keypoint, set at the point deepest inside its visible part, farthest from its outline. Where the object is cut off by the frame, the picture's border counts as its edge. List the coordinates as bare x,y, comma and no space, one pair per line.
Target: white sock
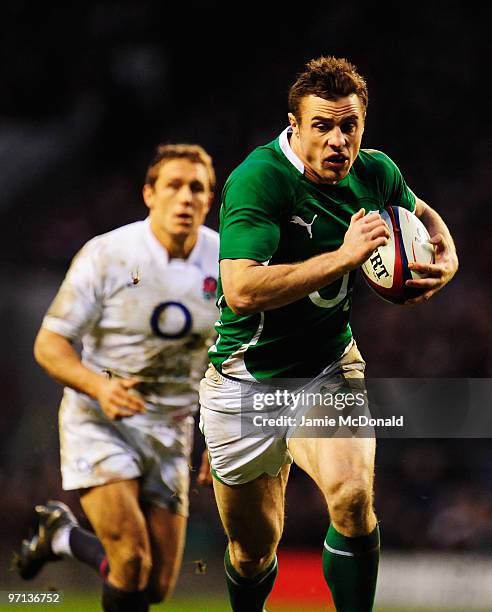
60,543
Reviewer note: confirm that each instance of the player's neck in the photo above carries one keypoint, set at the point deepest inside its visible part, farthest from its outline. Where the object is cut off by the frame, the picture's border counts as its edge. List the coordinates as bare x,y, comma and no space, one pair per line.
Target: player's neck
177,247
296,148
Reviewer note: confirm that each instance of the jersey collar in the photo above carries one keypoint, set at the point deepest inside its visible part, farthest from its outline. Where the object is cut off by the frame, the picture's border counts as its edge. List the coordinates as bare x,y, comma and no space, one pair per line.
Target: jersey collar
161,253
283,141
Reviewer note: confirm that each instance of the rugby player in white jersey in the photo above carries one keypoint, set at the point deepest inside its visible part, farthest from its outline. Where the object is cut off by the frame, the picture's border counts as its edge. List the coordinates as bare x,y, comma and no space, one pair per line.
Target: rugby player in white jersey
141,299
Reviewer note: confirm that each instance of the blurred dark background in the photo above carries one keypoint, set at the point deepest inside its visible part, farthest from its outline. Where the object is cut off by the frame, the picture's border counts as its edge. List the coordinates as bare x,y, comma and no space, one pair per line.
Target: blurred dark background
89,89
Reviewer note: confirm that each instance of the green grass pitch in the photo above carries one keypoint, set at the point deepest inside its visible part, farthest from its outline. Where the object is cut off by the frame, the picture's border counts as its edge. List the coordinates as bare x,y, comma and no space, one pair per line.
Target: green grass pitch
83,603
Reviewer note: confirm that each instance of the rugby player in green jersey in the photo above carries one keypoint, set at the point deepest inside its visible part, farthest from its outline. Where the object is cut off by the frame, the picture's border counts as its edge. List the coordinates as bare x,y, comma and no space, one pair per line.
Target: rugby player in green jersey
293,230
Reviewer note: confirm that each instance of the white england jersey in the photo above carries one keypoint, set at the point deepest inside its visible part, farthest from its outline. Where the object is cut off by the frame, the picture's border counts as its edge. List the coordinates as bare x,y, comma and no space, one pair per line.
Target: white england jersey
138,313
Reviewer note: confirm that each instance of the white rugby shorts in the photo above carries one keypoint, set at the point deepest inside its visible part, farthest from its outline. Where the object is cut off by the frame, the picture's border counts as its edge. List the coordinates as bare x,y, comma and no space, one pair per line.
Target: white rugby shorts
236,457
153,447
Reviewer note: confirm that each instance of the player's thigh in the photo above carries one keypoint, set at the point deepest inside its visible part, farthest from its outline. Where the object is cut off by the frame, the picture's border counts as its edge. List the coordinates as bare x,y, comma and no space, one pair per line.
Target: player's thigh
116,516
335,462
332,461
253,513
167,536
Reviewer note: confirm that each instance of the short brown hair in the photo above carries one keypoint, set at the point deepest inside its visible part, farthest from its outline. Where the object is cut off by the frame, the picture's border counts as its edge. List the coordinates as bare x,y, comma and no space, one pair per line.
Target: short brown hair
195,153
330,78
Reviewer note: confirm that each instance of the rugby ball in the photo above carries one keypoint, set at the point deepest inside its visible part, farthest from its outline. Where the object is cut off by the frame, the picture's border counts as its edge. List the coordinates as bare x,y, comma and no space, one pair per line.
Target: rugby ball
386,270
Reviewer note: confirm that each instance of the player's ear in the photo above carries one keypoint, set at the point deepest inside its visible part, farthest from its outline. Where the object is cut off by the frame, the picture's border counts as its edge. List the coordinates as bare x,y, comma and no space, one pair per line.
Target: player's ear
147,194
293,124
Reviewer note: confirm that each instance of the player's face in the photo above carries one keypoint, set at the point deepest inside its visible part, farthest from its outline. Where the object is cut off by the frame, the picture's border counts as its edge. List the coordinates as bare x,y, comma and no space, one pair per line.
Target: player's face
180,198
327,136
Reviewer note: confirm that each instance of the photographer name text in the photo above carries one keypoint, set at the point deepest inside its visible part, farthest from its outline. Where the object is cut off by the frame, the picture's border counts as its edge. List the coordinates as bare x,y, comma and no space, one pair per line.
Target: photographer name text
339,421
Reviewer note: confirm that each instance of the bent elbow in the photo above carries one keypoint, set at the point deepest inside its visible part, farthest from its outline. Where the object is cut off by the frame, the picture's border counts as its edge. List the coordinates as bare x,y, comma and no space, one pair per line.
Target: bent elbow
241,305
38,351
46,346
241,310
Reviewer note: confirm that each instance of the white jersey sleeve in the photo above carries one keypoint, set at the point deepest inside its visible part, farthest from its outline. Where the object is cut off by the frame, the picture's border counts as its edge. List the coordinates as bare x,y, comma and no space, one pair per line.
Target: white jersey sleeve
78,303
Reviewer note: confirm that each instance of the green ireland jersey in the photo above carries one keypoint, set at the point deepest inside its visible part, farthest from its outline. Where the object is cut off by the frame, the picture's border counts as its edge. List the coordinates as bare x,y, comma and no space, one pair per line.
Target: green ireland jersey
273,214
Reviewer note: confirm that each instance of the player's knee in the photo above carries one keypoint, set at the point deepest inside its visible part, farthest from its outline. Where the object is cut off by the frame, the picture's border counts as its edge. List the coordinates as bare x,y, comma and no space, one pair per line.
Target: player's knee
132,565
250,560
250,566
137,567
350,504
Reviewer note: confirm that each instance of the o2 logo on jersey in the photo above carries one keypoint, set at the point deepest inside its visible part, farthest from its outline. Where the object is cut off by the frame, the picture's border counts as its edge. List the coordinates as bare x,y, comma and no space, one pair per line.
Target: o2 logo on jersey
344,290
171,320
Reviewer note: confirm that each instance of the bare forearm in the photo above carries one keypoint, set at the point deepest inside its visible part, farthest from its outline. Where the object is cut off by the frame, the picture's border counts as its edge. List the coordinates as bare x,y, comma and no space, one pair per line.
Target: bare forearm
267,287
57,356
433,277
435,224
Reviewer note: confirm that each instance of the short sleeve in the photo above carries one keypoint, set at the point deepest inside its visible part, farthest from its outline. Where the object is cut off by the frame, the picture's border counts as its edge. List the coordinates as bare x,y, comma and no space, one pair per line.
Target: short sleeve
399,194
77,305
254,202
395,190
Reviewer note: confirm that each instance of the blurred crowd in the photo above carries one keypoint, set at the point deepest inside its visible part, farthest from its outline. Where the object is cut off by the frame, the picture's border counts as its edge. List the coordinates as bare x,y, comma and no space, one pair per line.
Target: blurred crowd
88,91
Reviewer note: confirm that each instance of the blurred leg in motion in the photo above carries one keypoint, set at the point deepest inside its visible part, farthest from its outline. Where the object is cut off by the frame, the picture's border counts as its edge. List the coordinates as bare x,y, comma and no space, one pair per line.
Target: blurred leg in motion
117,518
167,537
